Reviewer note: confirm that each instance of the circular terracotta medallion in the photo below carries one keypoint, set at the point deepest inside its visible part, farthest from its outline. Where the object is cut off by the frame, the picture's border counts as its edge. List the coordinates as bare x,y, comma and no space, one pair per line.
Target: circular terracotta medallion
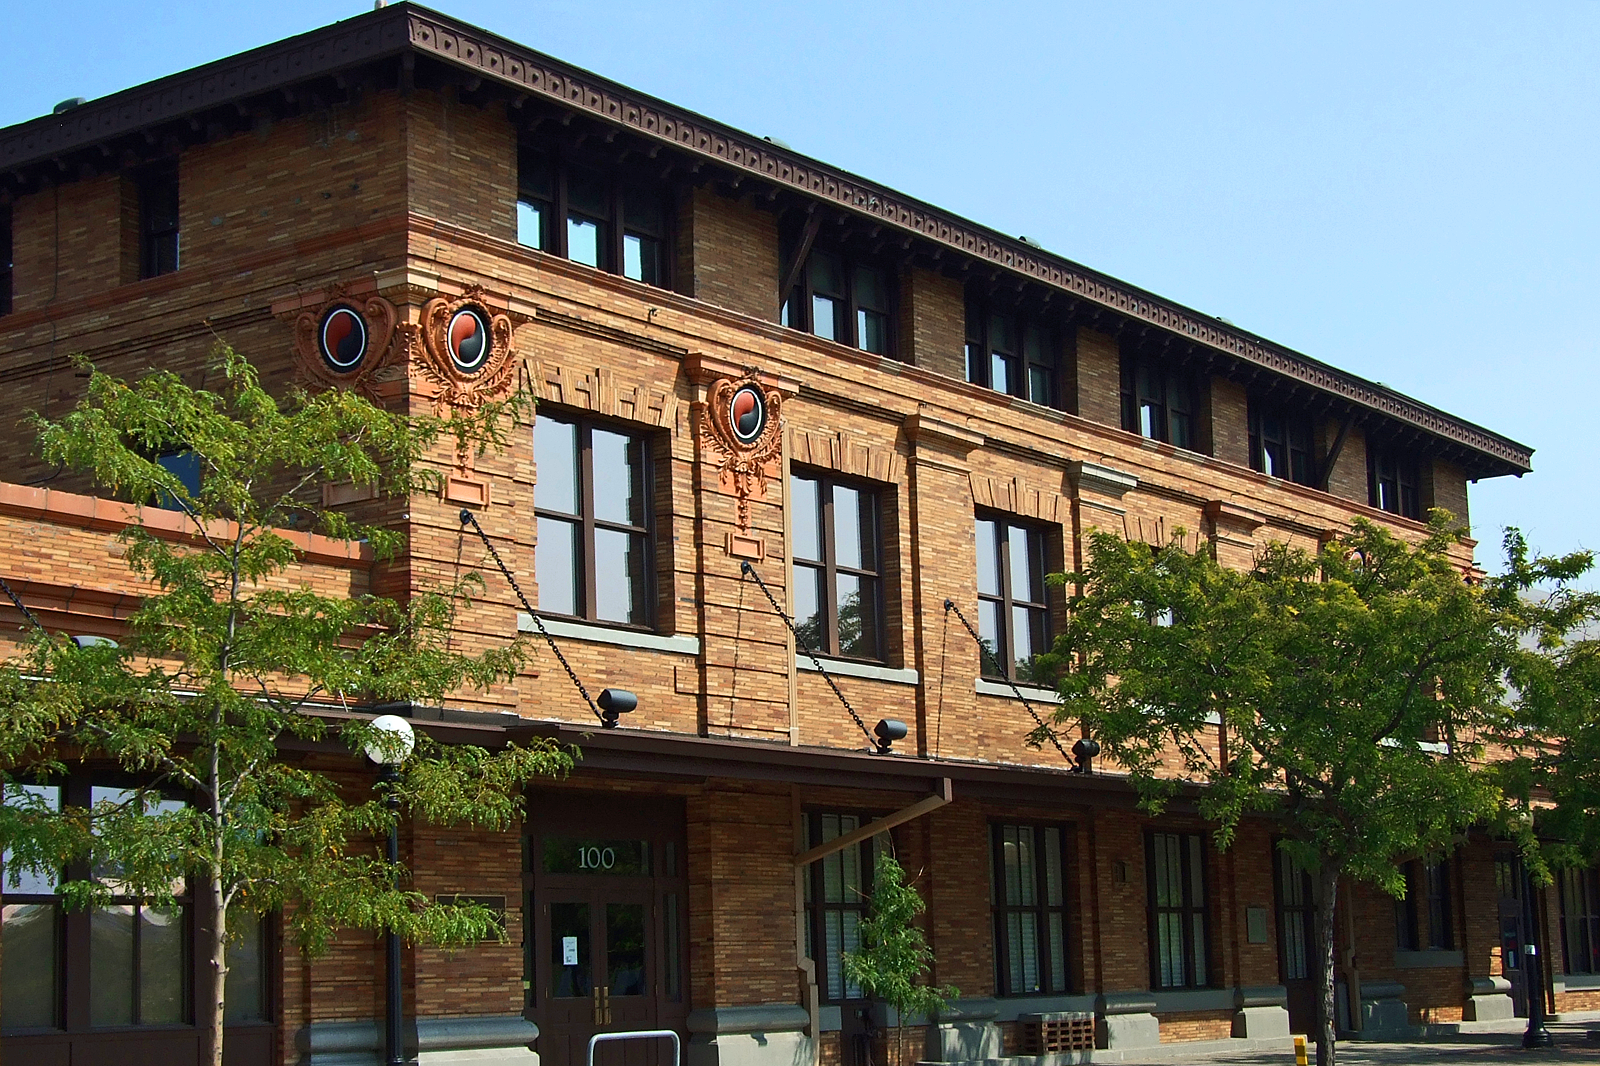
468,339
747,413
342,339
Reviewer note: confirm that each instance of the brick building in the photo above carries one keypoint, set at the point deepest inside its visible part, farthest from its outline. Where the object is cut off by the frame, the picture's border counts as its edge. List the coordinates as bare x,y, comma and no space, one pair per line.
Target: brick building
740,356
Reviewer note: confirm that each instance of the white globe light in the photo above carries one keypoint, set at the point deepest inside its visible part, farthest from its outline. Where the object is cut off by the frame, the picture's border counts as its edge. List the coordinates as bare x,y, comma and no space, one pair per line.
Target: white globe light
397,741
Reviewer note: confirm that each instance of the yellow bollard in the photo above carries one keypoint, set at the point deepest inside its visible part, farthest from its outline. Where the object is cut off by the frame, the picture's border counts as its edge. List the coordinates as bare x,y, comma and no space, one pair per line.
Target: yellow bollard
1299,1051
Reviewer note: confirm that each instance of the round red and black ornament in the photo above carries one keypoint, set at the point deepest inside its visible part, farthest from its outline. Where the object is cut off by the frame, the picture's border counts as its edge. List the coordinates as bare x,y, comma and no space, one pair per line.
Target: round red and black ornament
342,338
468,339
747,414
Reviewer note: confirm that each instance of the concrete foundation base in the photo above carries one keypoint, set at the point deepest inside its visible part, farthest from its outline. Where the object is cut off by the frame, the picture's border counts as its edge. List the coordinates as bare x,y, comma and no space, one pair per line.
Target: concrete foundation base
766,1035
1488,1000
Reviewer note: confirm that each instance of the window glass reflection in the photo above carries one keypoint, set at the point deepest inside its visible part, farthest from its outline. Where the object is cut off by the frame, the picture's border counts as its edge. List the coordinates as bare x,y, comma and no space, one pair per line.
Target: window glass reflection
556,565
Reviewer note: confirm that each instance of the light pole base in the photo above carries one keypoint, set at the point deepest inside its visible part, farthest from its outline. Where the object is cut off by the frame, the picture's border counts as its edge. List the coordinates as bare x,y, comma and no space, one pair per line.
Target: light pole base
1537,1036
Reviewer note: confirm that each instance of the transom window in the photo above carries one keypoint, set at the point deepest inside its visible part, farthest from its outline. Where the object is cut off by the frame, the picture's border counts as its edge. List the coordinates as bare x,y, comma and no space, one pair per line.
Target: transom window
1028,882
841,300
1423,915
158,219
1281,443
838,602
587,217
1013,612
1392,482
1158,402
838,890
1580,920
1178,935
5,260
592,507
1011,355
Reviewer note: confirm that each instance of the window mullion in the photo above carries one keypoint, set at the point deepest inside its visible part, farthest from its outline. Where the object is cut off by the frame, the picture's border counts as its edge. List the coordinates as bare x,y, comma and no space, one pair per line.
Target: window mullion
830,573
615,252
586,502
558,238
1003,623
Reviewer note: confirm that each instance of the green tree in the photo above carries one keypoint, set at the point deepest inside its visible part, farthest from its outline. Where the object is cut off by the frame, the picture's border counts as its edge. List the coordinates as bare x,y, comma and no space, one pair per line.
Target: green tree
1350,694
232,654
894,956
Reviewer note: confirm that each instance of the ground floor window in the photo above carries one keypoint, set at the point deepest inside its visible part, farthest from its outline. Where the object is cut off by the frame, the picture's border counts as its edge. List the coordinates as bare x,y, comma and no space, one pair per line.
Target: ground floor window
1029,889
1580,920
1177,903
838,889
1294,919
1423,916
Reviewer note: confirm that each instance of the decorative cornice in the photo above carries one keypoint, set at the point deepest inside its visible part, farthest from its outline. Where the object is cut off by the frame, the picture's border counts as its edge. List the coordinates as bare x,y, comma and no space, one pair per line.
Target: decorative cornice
406,27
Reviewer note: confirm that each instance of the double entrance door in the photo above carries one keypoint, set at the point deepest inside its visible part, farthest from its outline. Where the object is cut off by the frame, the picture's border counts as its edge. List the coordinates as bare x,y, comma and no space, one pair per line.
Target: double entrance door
1510,882
605,886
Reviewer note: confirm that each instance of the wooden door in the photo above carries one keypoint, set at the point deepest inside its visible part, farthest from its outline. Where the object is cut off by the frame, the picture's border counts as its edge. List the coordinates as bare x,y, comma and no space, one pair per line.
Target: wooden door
1512,914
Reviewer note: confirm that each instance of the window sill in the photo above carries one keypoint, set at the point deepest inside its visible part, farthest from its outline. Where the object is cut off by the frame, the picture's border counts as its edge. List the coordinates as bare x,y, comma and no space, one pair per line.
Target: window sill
1428,960
1032,693
869,671
622,638
1578,982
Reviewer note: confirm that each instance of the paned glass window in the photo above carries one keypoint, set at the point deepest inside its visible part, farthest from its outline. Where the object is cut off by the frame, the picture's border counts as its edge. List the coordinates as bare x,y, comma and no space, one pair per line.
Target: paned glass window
838,890
1295,916
1580,920
1028,884
838,600
158,219
1393,483
841,300
1281,443
1423,916
30,931
592,507
1011,355
1013,612
6,271
1159,402
590,218
1178,936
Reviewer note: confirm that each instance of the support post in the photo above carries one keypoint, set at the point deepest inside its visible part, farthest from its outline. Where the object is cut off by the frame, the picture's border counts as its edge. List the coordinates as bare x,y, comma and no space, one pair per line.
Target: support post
394,1005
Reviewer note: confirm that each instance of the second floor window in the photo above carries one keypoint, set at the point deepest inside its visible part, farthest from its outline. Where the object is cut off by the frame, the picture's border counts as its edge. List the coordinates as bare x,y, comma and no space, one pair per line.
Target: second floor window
592,506
158,219
1030,909
1580,920
5,261
586,217
838,603
1281,443
1178,939
1158,402
1013,612
840,300
1392,482
1011,356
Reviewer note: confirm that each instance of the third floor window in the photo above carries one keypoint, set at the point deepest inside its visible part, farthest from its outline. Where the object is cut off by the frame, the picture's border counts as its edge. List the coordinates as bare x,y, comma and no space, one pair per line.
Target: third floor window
1011,355
158,219
841,300
1281,442
587,217
1393,482
1159,402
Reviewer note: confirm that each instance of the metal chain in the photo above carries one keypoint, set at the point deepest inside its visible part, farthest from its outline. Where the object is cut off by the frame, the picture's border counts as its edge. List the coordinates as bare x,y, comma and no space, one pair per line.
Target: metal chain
468,518
29,615
747,569
983,649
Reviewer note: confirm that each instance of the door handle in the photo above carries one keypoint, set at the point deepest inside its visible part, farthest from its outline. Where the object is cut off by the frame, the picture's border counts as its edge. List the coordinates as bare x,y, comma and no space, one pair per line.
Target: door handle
599,1017
605,1004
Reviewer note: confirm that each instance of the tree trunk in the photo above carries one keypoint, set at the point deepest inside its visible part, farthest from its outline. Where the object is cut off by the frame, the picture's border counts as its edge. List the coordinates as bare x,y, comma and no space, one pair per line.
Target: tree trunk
1327,896
211,1002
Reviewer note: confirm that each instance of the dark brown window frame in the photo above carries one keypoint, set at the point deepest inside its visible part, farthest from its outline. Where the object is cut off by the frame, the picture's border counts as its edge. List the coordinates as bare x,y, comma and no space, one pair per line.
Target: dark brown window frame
587,522
815,902
1186,911
1580,920
1041,909
1298,459
1294,909
1385,466
981,331
1133,396
559,208
796,310
831,568
1425,916
160,232
1006,643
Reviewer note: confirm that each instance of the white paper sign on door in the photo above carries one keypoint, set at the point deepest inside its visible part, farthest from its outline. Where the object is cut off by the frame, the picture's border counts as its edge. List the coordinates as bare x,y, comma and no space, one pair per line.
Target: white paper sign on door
569,951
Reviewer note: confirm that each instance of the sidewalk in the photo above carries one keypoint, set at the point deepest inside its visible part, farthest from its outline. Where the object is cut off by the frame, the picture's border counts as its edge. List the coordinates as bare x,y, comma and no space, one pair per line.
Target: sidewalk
1499,1042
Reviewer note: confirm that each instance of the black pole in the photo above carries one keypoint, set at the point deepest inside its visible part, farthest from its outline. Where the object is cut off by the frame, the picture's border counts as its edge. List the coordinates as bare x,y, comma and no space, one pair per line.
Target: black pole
394,1006
1537,1036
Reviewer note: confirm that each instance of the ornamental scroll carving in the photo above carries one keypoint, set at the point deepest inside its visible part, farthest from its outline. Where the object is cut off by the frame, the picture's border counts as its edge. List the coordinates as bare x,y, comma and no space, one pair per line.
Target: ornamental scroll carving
344,341
741,430
463,348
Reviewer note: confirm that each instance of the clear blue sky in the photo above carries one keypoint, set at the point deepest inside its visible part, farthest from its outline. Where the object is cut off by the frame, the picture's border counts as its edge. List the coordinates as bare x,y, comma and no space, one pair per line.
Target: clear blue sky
1406,191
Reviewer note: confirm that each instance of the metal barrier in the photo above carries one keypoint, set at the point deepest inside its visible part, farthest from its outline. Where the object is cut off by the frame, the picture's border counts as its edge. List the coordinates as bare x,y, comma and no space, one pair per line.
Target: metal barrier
640,1034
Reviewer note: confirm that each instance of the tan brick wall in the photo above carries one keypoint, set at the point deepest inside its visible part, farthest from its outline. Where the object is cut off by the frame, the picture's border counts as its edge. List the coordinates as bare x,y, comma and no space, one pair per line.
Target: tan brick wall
933,322
1444,485
728,253
1228,416
1349,478
1196,1025
1097,379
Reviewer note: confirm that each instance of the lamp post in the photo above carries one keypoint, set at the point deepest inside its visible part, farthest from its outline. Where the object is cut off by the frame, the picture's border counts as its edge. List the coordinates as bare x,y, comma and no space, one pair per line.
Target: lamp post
1536,1036
393,742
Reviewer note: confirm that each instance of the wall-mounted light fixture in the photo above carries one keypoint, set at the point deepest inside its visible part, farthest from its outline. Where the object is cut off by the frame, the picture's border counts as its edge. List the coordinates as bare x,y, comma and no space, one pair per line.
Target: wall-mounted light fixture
888,730
1083,753
614,703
